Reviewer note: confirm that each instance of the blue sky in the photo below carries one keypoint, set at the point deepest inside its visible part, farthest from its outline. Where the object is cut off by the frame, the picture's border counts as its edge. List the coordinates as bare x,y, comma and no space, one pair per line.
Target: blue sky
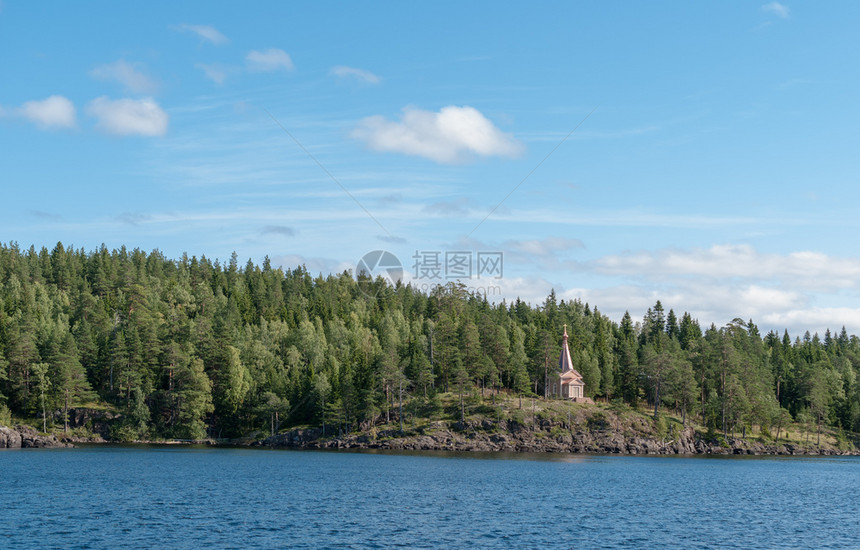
714,167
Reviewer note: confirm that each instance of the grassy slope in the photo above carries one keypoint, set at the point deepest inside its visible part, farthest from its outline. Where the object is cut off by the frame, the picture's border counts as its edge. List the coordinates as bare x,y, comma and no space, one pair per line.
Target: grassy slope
544,418
554,417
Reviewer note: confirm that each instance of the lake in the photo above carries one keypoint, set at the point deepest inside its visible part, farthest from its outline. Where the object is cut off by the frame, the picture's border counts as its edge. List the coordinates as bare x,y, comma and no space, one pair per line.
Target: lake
192,497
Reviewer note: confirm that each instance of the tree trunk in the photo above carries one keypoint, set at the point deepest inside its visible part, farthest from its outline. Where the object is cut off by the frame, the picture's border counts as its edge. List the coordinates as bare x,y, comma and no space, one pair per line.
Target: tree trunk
684,413
819,431
462,406
534,413
66,413
546,376
387,406
723,404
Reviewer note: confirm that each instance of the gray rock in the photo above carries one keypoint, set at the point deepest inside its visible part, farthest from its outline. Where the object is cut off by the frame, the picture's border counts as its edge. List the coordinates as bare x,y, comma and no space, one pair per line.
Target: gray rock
30,438
9,438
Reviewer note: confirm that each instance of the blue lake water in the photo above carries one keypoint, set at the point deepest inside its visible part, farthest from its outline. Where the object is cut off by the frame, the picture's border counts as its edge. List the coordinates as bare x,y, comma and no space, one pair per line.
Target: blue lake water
186,497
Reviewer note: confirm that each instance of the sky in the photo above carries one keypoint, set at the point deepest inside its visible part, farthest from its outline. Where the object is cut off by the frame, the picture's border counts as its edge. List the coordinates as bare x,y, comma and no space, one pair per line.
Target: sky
703,154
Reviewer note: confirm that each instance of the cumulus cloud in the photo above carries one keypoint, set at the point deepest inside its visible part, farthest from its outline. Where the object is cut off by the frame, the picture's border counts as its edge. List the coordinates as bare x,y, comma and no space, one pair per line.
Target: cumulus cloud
770,308
797,291
206,32
267,61
351,73
815,319
125,116
130,75
452,135
53,112
811,269
776,9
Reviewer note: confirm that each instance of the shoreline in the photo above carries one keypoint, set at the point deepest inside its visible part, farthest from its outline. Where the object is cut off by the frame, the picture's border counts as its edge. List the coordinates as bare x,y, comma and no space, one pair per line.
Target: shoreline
476,436
687,443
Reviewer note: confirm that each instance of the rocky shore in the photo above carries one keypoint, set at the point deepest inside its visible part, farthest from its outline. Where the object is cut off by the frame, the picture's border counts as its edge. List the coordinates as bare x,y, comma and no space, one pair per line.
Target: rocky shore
23,437
459,437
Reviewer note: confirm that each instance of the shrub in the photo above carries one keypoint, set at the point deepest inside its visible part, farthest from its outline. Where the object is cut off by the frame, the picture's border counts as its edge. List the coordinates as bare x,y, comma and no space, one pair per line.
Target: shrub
661,428
5,416
597,421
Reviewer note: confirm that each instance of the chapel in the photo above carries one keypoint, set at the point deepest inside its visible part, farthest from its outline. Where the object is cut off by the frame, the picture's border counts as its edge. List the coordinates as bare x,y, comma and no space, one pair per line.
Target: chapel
570,384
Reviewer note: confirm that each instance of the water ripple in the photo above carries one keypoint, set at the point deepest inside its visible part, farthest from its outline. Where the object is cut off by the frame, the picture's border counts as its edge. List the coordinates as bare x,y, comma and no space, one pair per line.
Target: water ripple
108,497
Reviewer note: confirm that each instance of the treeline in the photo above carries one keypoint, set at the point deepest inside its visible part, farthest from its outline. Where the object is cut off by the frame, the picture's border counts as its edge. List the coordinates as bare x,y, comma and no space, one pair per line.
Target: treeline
190,347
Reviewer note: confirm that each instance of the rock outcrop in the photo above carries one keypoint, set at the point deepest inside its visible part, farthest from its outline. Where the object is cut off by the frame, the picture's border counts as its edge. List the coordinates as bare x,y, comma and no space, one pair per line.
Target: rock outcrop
9,438
457,437
27,437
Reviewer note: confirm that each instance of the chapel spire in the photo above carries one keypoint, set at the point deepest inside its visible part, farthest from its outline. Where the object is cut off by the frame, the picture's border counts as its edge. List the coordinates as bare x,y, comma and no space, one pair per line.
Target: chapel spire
564,362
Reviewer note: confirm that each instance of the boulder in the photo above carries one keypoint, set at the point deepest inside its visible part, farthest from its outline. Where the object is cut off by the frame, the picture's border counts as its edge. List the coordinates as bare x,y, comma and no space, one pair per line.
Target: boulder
30,438
9,438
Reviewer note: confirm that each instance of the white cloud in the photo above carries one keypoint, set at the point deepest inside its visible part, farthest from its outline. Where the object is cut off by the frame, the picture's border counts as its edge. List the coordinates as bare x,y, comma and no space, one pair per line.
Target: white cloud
206,32
810,269
799,291
129,116
55,111
543,247
770,308
816,319
776,8
351,73
268,61
128,74
215,73
453,135
314,265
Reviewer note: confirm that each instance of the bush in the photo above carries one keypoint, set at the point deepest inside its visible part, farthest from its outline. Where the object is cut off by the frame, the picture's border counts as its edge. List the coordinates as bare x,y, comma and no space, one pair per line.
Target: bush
842,442
545,414
711,433
5,415
558,431
597,421
518,417
123,433
433,407
661,427
618,405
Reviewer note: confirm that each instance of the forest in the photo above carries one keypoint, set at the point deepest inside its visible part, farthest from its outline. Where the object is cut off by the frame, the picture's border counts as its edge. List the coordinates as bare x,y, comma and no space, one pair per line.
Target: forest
190,348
